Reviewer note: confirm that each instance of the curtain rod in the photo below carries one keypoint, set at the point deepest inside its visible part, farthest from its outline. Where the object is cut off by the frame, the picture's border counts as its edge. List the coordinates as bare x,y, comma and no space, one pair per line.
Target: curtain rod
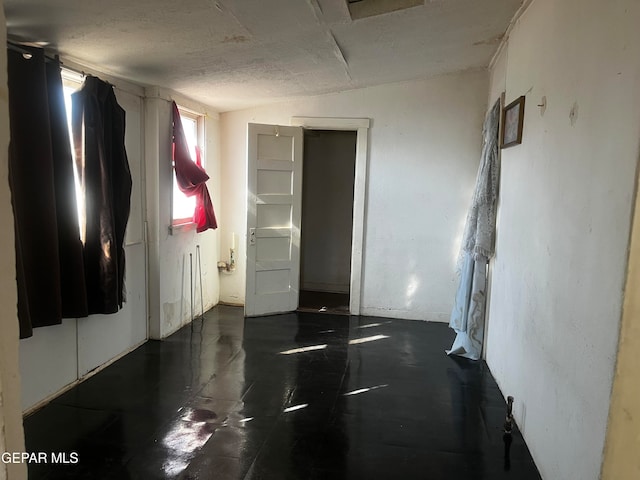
56,58
25,50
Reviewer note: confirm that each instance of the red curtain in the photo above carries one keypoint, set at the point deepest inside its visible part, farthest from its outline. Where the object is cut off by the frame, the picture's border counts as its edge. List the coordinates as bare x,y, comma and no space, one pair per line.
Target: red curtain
191,177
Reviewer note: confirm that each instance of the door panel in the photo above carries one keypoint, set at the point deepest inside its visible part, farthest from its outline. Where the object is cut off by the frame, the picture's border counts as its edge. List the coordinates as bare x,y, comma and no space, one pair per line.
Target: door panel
274,215
273,218
272,147
272,248
274,182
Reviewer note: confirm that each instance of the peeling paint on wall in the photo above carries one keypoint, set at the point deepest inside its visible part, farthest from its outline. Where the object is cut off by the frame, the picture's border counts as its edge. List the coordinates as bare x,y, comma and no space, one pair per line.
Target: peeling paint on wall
169,315
573,114
495,40
235,39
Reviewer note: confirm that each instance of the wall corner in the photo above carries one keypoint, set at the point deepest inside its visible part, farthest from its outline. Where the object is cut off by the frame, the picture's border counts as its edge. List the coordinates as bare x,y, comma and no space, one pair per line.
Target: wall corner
11,430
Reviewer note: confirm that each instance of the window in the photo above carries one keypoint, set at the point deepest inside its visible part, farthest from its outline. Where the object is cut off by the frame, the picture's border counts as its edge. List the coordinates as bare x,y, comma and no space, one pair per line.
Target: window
71,82
183,207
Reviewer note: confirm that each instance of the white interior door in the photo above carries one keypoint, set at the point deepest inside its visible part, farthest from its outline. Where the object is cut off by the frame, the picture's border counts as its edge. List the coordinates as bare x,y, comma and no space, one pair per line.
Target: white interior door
273,218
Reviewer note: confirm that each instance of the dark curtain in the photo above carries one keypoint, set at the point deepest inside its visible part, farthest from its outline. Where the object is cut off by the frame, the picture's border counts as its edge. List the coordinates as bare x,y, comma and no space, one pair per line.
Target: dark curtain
98,126
191,177
48,252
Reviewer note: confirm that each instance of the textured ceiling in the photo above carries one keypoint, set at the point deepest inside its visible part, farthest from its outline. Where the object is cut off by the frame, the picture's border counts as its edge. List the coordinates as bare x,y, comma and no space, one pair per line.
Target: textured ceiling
232,54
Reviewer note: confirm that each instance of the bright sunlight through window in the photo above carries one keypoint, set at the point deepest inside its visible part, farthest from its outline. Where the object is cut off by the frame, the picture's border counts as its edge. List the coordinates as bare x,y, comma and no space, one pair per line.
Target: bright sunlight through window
71,82
183,206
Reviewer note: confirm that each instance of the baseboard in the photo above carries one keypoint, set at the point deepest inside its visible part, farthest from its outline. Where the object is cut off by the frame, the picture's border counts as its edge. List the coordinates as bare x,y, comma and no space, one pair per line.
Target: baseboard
38,405
405,314
230,304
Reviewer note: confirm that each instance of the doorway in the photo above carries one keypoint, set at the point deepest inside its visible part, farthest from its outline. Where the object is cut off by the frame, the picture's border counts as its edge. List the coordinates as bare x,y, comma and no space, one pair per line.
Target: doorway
274,205
328,176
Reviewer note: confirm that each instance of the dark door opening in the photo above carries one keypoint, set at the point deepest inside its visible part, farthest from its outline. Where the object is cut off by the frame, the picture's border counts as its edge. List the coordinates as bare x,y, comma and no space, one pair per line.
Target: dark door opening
328,173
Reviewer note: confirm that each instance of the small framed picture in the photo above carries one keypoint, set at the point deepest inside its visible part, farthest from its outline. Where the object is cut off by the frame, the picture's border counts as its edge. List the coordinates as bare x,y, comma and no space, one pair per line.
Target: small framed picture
512,121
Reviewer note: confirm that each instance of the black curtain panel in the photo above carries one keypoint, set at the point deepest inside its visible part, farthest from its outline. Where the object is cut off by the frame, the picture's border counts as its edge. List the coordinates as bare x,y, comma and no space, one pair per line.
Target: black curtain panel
98,126
42,194
32,193
191,177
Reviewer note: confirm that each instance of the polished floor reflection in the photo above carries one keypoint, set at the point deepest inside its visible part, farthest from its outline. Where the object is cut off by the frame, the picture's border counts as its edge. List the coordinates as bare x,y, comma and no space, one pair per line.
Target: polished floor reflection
326,302
298,396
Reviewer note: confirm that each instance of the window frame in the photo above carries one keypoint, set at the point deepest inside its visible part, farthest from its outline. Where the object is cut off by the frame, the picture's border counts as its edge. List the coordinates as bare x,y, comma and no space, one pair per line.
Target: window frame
187,223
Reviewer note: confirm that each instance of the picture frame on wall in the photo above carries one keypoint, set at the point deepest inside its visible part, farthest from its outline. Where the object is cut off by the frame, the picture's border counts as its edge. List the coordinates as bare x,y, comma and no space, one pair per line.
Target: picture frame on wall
512,123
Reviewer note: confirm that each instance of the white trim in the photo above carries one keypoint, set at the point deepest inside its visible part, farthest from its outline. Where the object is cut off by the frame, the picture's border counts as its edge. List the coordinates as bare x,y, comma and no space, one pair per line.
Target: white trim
188,112
361,126
402,314
177,228
331,123
186,103
71,76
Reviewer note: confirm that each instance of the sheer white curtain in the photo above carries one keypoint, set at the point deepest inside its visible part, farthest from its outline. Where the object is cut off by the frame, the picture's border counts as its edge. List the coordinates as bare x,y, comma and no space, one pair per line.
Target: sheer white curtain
467,316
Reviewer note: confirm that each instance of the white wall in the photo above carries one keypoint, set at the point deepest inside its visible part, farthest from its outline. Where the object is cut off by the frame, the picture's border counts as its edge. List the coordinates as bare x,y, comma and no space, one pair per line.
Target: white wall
424,151
169,252
563,224
11,432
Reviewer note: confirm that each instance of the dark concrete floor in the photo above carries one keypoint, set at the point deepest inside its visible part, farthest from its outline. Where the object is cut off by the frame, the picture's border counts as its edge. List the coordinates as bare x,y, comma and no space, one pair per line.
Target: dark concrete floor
229,398
325,302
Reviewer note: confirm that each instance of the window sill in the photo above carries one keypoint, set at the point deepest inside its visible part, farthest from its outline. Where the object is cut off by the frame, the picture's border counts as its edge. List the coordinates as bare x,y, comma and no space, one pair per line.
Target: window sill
181,227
